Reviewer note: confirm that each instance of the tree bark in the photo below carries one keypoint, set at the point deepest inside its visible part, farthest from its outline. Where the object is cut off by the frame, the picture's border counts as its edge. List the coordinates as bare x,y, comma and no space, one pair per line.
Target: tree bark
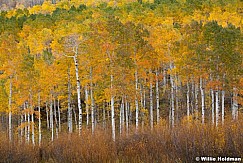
212,105
78,94
188,101
172,99
87,104
112,112
92,101
157,96
51,120
151,100
59,115
10,110
217,106
70,121
39,110
136,97
202,99
234,104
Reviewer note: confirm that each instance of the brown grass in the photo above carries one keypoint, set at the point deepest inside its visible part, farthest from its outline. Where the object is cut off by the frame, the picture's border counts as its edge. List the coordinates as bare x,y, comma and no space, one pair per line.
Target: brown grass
182,143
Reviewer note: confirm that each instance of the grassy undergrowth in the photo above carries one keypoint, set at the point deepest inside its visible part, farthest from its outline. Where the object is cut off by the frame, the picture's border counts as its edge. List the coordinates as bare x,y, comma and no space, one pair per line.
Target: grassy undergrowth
182,144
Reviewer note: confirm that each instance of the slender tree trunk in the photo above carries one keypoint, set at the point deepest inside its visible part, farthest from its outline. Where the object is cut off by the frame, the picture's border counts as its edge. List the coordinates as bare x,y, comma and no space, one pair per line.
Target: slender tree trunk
217,106
10,110
92,101
70,121
78,94
234,104
151,100
188,101
126,110
172,99
25,121
222,105
21,123
87,104
202,99
193,96
222,101
28,127
176,83
47,117
157,96
51,120
164,77
75,117
212,105
142,105
120,119
196,100
130,114
39,110
55,115
112,112
136,97
32,125
59,115
122,113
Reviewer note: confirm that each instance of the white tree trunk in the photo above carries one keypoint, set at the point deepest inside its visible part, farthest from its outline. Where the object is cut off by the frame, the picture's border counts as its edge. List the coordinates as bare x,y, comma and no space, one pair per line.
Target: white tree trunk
87,104
28,124
51,120
122,115
59,115
25,121
32,126
55,115
39,110
196,100
234,104
151,101
92,101
10,110
32,119
157,96
217,107
126,110
202,99
222,105
176,83
136,97
112,112
188,101
172,100
70,121
142,105
78,94
21,123
193,96
212,105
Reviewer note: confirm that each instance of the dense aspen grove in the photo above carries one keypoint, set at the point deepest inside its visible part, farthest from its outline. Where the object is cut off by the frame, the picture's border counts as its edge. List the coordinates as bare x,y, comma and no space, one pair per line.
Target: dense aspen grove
120,81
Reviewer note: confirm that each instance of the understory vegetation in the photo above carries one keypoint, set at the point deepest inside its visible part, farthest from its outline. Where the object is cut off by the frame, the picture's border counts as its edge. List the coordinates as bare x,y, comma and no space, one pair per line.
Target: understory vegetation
182,143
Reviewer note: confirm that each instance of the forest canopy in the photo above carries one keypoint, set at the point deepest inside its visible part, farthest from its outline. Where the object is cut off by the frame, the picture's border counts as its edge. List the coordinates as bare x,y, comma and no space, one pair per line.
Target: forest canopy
78,63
